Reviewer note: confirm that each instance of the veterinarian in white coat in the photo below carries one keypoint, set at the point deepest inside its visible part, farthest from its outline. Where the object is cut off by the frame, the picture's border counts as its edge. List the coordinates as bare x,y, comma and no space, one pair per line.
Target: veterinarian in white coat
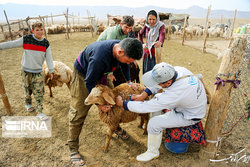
184,95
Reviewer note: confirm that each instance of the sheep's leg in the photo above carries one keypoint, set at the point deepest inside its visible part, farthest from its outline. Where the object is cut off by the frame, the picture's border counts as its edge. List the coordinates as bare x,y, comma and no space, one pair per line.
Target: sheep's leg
108,137
141,122
50,92
146,118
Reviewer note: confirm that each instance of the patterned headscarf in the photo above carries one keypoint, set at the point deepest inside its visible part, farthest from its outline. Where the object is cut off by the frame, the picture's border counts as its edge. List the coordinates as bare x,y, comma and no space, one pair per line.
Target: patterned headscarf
154,31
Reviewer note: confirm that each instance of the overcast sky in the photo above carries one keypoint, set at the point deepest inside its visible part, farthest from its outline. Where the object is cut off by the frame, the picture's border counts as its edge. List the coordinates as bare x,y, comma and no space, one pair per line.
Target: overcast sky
240,5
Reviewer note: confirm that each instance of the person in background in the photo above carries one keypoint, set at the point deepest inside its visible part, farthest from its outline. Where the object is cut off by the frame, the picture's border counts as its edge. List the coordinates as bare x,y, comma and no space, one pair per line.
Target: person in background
184,102
229,23
154,31
36,50
120,31
92,63
131,34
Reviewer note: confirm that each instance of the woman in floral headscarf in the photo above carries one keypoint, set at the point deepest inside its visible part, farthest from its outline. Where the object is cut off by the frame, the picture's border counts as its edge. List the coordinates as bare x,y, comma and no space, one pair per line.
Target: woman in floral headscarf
154,31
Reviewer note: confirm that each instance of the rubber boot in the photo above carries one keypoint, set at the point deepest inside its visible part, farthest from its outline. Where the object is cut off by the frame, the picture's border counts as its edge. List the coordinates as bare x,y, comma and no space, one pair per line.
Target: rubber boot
154,143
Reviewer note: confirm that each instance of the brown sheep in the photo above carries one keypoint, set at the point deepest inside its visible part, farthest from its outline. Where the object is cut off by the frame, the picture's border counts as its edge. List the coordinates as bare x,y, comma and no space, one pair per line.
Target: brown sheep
100,29
137,29
24,31
104,95
62,74
14,34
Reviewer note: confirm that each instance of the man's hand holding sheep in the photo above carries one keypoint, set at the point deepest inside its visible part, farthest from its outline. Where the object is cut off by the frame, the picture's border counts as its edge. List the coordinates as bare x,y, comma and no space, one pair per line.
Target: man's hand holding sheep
134,97
51,76
104,108
140,97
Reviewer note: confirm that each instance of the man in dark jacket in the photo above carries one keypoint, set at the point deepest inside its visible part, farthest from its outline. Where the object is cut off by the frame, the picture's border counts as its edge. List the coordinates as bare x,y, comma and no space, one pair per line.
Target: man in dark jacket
92,63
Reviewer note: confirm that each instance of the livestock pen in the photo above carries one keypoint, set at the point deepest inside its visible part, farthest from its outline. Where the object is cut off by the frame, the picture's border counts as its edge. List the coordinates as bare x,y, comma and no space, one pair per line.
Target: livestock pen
54,151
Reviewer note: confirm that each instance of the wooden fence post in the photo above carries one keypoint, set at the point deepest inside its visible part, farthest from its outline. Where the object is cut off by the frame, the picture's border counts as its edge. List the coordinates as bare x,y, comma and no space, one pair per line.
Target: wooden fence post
78,18
22,24
232,30
46,19
73,18
2,28
168,34
184,31
52,22
108,19
4,96
90,22
67,23
206,28
11,36
19,24
220,100
27,22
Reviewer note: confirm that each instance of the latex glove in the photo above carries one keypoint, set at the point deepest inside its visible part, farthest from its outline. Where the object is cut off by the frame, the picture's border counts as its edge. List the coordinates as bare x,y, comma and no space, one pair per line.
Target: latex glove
140,97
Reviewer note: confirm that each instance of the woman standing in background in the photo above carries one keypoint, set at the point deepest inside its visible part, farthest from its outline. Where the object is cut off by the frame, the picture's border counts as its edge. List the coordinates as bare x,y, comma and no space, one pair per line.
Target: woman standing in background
154,31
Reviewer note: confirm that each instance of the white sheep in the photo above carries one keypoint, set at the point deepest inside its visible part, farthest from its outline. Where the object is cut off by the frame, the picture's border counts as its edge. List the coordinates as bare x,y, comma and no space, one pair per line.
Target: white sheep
103,95
62,74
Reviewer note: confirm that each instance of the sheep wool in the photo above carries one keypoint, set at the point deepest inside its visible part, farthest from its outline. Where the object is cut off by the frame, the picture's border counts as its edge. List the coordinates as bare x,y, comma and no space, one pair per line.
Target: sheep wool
62,74
103,95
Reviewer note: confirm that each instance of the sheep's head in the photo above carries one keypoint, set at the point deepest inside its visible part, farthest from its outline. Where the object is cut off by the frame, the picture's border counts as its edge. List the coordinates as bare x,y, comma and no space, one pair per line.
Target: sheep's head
100,95
54,82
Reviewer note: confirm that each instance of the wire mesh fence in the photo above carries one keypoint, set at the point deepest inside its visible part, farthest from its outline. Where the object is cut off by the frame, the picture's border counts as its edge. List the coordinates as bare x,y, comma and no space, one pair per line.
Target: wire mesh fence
235,136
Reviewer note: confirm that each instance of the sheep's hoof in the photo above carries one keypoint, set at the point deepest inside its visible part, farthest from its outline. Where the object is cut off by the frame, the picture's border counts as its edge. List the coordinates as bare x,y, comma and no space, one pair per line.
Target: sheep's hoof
140,126
145,133
105,151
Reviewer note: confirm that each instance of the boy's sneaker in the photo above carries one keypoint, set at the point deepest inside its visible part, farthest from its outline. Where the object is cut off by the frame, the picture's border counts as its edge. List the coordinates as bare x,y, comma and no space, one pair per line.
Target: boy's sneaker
29,108
42,116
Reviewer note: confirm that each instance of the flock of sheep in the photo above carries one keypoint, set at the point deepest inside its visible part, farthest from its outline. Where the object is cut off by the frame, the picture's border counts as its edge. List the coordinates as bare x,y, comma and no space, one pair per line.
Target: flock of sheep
218,30
198,31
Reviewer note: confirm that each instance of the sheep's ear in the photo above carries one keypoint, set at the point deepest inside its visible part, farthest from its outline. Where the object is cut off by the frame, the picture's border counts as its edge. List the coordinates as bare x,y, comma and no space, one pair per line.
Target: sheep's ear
108,98
69,75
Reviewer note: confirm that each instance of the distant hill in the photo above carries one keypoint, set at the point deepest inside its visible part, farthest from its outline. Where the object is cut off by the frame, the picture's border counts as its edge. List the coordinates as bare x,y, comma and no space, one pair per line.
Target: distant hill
18,11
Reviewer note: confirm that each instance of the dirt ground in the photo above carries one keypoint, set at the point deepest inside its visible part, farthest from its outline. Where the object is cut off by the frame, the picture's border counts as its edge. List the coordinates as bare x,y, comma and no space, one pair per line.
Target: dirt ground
54,151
